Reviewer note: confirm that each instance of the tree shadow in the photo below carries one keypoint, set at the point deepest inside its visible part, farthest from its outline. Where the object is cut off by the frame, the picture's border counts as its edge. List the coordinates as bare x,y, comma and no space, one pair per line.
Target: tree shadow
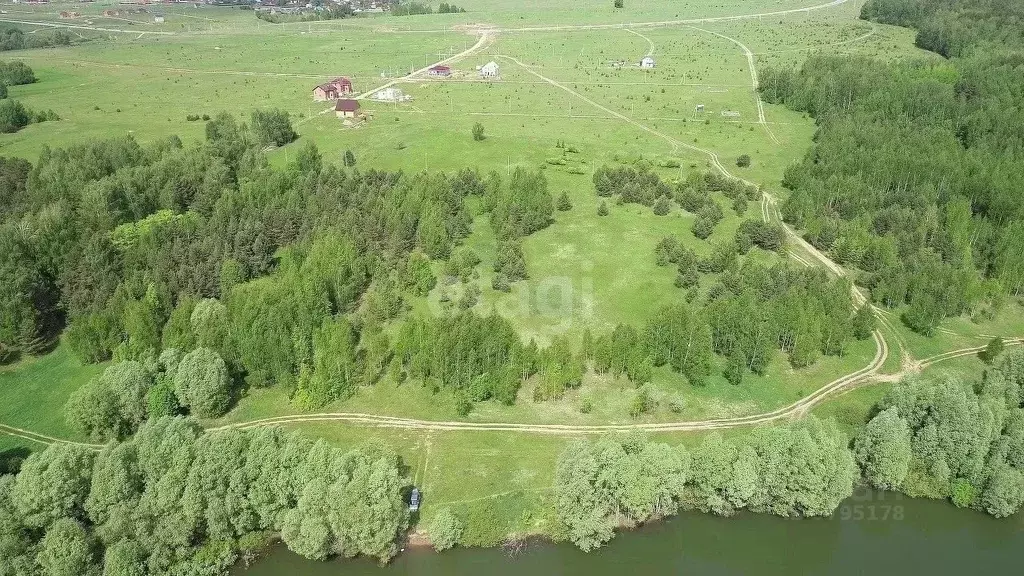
11,459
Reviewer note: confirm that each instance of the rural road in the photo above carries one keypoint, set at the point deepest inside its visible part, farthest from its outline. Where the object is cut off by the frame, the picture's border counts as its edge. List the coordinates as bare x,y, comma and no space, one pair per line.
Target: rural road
481,42
650,24
80,27
864,376
755,84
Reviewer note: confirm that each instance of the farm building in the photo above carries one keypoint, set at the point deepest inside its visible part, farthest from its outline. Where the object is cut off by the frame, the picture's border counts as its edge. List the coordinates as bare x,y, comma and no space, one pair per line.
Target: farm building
439,71
332,90
489,70
647,62
159,19
346,108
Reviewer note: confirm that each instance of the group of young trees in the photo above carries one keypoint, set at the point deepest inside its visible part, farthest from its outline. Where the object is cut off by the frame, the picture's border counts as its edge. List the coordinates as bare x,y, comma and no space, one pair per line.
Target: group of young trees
947,438
477,357
408,8
13,114
639,185
633,185
176,500
209,271
802,469
14,38
916,170
751,314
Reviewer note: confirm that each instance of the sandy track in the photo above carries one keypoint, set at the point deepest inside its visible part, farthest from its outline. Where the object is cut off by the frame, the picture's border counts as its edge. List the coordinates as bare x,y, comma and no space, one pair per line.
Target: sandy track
650,24
867,375
80,27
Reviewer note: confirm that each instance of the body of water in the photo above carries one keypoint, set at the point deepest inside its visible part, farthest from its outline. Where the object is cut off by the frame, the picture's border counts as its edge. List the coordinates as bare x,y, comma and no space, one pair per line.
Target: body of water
871,533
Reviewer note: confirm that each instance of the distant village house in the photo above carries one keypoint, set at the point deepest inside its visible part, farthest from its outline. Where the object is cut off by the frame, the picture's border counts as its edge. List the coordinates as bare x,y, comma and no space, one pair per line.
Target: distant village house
489,70
647,62
391,95
346,108
159,19
332,90
439,71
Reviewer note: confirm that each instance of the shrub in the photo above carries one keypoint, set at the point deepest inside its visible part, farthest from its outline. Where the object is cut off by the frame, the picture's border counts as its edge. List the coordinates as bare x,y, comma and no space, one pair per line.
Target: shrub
743,161
602,210
13,116
642,402
478,132
16,73
586,406
445,530
662,206
500,283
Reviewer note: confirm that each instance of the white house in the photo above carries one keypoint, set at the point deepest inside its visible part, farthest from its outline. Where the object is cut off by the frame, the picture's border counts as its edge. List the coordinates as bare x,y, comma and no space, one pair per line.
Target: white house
489,70
390,95
647,62
159,19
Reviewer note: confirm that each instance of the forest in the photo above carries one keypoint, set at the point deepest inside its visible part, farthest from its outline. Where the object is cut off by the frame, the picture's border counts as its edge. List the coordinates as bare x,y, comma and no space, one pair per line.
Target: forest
177,500
916,171
947,438
932,438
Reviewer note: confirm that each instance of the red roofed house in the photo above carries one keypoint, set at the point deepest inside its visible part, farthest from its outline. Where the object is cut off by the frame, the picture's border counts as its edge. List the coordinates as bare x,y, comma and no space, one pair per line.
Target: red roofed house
346,108
440,71
333,89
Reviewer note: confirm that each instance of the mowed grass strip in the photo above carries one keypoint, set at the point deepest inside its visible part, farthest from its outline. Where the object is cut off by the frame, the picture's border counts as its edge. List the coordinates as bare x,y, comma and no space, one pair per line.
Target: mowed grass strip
34,390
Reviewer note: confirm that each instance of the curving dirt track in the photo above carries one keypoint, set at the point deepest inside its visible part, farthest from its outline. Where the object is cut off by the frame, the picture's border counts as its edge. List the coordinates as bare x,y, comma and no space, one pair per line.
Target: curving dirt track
866,375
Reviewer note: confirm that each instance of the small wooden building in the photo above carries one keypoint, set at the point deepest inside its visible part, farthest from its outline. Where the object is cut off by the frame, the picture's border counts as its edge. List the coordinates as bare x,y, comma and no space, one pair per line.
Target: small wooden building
346,108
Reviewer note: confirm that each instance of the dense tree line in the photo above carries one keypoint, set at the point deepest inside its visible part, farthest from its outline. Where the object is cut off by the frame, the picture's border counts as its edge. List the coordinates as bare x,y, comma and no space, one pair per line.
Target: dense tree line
916,170
176,500
947,438
446,8
322,12
752,314
13,38
953,28
802,469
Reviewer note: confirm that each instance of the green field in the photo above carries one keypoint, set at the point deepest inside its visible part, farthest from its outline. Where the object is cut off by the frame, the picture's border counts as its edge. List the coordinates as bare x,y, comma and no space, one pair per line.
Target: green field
33,391
585,271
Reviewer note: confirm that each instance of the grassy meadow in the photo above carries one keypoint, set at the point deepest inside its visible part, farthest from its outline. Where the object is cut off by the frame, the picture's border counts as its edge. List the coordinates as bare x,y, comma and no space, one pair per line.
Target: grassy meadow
142,78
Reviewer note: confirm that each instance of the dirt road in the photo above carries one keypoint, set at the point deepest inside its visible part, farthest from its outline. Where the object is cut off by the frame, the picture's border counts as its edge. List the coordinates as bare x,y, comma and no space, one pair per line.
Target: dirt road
482,41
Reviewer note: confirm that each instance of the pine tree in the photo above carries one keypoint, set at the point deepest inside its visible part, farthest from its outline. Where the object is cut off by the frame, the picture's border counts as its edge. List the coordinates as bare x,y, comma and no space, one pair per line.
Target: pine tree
602,210
564,203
